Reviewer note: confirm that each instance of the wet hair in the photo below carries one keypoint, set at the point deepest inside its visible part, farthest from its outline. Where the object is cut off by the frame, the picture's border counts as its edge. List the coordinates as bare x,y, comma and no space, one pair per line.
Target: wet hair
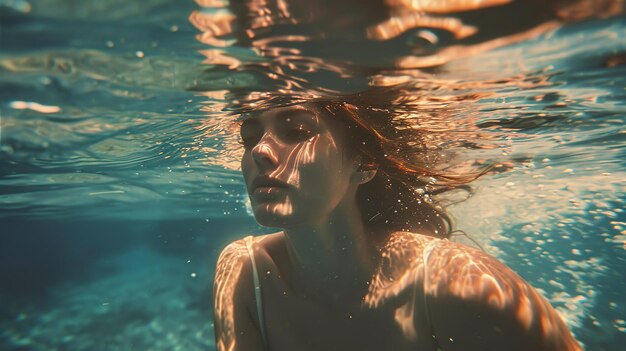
400,196
397,130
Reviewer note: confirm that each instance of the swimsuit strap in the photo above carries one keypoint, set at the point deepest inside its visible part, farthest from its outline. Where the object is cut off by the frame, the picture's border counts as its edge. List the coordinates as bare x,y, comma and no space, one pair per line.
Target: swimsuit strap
257,288
428,249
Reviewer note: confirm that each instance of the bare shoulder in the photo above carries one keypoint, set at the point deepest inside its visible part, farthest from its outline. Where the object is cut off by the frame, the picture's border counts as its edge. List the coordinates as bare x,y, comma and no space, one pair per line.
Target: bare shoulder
482,275
230,266
233,294
237,255
477,302
233,264
231,273
235,251
400,268
458,271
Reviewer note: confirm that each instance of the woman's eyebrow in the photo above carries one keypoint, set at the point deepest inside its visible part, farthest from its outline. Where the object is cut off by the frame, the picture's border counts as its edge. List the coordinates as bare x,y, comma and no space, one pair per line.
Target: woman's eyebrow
300,110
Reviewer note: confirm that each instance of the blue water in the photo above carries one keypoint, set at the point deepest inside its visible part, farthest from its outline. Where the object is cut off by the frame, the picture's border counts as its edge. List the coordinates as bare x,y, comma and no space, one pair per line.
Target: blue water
119,183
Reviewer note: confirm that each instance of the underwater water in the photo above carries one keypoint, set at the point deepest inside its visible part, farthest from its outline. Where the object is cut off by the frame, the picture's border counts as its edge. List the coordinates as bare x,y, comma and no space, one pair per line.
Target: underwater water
119,181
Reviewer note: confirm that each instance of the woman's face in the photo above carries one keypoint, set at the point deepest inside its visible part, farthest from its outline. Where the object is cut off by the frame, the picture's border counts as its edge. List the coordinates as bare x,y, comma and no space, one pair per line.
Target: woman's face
296,166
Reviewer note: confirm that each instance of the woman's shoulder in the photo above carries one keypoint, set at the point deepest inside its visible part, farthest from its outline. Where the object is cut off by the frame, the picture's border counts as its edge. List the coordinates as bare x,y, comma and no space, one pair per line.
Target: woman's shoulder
440,266
400,268
233,293
235,250
455,269
240,249
233,268
234,274
234,262
436,253
480,303
448,268
403,248
475,302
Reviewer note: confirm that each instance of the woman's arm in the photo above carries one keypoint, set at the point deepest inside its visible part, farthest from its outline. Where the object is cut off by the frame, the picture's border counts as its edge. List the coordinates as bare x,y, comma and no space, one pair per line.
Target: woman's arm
478,303
233,295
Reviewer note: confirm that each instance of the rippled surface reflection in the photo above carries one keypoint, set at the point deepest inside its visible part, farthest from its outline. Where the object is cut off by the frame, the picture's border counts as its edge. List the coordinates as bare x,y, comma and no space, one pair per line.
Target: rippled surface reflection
127,111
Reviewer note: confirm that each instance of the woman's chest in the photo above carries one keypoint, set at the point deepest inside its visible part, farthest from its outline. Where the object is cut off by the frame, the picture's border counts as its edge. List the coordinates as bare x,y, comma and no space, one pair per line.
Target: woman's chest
392,316
296,324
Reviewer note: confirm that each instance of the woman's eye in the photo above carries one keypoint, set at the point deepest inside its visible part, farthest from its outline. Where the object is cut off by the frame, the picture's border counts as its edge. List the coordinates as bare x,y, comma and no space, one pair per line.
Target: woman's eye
294,135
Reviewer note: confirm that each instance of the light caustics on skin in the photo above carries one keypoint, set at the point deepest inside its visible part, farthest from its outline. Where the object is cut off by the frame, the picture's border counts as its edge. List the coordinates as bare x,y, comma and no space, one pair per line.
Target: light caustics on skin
465,274
455,272
229,267
401,267
289,167
285,207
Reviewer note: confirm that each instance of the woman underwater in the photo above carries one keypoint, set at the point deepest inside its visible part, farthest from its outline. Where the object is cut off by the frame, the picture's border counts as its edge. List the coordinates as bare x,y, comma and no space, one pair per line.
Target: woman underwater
362,261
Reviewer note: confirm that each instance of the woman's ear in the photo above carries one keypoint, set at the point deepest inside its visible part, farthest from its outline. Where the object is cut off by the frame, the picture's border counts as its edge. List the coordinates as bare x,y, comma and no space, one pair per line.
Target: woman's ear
365,171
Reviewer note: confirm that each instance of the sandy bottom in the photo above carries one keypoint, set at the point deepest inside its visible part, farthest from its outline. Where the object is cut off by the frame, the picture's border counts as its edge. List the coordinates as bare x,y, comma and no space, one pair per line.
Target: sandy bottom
146,301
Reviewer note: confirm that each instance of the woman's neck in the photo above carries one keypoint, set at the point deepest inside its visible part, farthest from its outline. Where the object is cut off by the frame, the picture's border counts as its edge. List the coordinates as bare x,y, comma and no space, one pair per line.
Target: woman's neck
334,260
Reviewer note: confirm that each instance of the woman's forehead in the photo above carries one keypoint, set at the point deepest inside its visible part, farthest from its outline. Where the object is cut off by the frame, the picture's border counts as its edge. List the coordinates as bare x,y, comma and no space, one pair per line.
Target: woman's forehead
312,114
305,110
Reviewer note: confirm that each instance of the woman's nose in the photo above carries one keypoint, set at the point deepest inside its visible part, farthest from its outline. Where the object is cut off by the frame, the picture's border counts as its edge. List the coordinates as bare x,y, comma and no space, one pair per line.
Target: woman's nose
264,153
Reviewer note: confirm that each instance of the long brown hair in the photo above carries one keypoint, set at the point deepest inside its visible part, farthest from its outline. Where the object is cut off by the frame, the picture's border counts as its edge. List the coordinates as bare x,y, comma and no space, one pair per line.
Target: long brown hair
400,196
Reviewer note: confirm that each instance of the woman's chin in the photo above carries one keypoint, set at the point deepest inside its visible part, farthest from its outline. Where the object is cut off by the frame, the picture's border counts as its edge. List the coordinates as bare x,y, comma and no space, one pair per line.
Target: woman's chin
273,214
273,222
273,208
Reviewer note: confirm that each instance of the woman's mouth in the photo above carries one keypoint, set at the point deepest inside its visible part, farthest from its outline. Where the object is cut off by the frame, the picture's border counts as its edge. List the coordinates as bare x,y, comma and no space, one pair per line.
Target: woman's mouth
267,189
268,182
268,194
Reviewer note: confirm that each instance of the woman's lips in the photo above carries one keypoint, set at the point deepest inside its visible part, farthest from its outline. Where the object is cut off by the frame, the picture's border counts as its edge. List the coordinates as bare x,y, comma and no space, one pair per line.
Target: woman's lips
268,192
266,184
268,188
